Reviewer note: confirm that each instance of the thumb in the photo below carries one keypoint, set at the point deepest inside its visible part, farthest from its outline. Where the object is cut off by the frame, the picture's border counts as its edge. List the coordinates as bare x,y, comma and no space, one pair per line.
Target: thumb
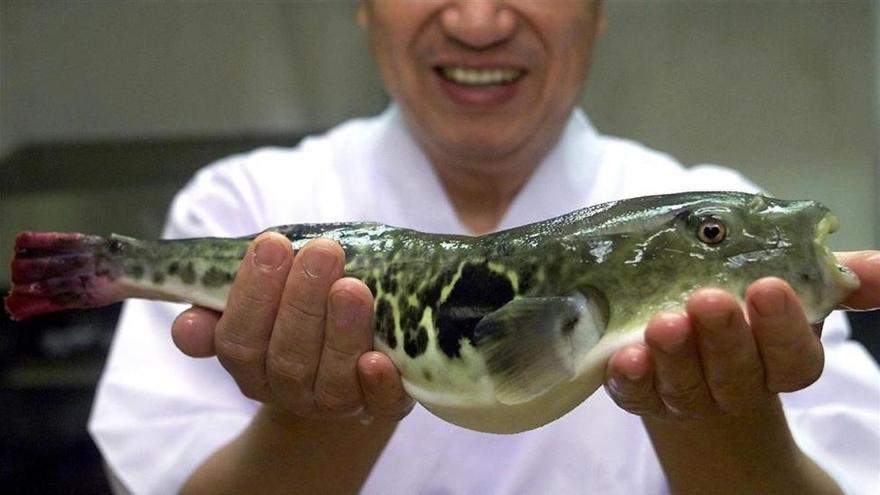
866,265
193,331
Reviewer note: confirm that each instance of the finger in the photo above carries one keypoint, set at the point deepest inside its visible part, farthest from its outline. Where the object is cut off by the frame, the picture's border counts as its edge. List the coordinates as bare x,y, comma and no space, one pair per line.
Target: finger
193,331
242,333
791,352
348,334
678,373
866,265
730,360
630,382
298,334
384,396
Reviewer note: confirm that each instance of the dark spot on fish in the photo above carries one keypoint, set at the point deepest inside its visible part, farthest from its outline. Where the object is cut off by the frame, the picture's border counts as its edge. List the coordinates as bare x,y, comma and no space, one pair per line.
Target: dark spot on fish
158,277
526,280
477,293
389,283
136,271
173,268
188,273
370,282
415,342
430,295
806,277
349,254
116,246
409,316
385,322
215,277
427,375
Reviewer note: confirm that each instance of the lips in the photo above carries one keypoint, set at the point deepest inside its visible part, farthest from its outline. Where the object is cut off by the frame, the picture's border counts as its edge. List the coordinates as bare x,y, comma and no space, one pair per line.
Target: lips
469,86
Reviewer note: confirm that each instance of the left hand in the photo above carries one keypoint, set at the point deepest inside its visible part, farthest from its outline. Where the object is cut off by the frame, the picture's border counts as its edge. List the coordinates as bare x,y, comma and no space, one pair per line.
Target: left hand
717,359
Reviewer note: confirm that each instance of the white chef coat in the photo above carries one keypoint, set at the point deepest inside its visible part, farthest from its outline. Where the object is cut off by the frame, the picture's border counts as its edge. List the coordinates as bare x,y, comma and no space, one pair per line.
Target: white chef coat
159,414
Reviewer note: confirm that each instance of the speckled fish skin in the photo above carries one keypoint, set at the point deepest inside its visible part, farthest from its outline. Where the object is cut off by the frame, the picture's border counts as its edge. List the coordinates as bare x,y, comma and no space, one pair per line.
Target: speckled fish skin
508,331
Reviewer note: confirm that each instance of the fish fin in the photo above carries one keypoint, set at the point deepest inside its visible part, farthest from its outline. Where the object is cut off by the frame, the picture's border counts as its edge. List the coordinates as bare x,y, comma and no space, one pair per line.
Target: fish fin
53,271
533,344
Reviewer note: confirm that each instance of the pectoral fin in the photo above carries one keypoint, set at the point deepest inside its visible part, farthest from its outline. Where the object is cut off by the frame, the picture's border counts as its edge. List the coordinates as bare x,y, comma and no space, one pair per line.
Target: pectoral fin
532,344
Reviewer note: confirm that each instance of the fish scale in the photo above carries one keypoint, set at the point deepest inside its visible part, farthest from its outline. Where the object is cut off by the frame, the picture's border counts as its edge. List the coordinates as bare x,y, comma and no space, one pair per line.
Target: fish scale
502,332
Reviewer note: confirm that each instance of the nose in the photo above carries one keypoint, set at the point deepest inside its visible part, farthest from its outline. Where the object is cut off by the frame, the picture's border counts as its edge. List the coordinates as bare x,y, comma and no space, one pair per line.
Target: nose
478,23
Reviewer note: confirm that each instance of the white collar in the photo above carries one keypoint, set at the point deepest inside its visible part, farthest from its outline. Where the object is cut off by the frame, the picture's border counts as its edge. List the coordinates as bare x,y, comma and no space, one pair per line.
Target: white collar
562,182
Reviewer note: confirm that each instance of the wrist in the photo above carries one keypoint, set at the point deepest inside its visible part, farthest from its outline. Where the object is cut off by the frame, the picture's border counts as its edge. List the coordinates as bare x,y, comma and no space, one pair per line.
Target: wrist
751,452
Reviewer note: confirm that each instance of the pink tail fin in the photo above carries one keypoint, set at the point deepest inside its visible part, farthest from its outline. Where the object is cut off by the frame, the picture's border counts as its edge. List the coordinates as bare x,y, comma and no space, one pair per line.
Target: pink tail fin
54,271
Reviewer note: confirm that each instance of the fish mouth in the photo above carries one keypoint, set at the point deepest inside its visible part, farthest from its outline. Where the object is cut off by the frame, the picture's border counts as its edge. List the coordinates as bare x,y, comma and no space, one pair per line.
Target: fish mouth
844,278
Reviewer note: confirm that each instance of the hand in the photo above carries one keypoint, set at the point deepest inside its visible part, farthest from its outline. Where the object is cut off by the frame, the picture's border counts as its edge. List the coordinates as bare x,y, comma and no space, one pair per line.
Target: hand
710,361
297,336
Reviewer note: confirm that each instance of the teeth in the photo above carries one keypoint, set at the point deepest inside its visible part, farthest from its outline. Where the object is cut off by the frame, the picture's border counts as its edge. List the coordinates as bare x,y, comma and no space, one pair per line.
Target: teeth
480,77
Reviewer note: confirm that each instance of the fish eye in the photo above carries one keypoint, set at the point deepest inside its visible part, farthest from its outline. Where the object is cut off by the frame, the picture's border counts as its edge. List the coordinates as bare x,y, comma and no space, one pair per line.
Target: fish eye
711,231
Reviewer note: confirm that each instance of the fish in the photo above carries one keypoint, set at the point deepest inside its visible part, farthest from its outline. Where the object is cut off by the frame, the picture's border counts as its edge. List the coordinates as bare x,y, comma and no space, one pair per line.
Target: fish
500,333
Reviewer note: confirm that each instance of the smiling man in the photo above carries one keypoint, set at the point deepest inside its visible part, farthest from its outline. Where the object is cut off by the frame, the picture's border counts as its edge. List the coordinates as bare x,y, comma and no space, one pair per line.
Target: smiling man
485,92
482,134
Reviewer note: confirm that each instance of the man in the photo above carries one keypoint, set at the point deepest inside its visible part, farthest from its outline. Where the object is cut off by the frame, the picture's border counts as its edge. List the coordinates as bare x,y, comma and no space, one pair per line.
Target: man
482,135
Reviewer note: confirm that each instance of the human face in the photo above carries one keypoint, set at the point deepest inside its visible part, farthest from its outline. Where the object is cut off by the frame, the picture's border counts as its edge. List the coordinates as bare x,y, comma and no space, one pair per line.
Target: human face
483,80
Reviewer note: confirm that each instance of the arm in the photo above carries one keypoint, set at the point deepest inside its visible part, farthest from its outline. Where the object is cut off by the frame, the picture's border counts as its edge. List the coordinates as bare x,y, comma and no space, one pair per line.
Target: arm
706,384
296,336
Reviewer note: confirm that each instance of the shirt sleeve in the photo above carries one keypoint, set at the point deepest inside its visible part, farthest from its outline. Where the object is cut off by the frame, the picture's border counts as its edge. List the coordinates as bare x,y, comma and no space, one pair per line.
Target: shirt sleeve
159,414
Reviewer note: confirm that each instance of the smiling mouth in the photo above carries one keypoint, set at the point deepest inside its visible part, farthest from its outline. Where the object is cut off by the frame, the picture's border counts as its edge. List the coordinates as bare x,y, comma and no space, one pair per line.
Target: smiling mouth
480,77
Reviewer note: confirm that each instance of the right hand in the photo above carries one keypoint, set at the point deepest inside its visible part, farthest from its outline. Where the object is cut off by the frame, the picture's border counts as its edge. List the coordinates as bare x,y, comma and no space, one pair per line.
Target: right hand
296,335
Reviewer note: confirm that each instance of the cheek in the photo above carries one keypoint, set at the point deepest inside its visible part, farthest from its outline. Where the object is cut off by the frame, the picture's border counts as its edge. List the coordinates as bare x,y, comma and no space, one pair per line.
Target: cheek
393,28
575,47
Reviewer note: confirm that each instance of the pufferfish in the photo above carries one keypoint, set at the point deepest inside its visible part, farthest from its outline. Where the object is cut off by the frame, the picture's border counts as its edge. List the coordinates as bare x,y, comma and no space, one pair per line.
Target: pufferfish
502,332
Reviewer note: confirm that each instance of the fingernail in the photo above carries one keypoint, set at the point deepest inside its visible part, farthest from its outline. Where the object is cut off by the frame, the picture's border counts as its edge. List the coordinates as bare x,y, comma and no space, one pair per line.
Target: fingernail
344,307
636,369
715,319
318,262
770,302
269,253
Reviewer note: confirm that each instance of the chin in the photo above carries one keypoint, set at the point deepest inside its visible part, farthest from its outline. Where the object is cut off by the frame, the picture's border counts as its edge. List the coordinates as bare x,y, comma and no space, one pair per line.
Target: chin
477,143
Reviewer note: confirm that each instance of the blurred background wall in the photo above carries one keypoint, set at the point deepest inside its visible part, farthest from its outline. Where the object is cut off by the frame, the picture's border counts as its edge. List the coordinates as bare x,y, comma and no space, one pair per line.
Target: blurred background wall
106,108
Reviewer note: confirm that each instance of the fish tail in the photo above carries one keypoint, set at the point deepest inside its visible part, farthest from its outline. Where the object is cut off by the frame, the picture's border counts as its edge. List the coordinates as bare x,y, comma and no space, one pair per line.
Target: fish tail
54,271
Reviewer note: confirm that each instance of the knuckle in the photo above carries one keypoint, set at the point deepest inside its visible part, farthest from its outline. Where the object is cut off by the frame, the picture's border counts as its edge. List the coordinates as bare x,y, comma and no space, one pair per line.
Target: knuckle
338,402
727,386
733,394
794,365
336,353
289,370
683,398
635,401
304,312
792,348
258,393
247,300
234,354
794,379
